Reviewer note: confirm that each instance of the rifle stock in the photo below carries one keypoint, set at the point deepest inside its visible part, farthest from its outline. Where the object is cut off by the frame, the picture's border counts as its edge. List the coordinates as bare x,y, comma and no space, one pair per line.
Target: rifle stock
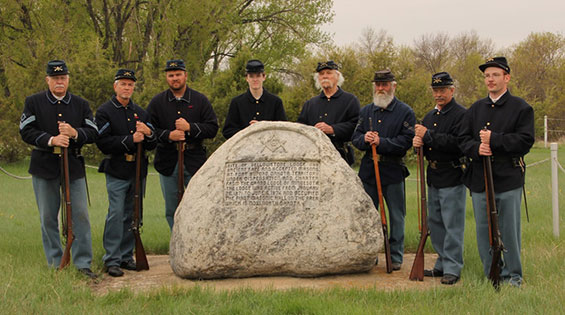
417,272
67,208
140,257
180,168
494,232
382,209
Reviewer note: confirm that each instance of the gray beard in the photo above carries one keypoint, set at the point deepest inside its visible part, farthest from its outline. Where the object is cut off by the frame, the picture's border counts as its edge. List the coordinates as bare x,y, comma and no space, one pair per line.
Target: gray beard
381,100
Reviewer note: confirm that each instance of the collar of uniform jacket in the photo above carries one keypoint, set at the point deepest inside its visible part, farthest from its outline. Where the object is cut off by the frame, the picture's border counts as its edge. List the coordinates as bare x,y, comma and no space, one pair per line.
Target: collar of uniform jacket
252,98
501,100
117,103
186,97
389,108
335,95
53,100
447,107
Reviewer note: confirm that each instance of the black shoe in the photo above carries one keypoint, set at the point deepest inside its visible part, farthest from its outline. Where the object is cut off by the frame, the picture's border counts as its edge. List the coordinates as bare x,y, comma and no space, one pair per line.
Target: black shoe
128,265
377,261
115,271
449,279
433,273
87,272
396,266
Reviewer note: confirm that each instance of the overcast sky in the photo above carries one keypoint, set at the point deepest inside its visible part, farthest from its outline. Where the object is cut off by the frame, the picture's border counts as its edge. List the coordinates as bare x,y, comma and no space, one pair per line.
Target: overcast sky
505,22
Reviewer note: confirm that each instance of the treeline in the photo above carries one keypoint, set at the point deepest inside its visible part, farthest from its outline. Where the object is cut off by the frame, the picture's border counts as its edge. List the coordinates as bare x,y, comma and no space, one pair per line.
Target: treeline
217,37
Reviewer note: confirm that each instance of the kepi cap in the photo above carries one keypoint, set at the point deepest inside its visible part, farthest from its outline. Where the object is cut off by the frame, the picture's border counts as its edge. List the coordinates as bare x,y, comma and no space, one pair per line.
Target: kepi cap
441,79
56,67
499,62
330,64
175,64
125,74
383,76
254,66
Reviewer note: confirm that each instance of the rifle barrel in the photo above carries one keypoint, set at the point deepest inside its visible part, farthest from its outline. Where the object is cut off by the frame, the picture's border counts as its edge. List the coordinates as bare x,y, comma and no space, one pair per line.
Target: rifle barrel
67,208
140,257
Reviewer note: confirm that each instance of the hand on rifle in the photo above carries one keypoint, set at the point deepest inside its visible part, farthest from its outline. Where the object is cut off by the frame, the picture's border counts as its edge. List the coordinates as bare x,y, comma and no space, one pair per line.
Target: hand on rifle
67,130
60,141
176,135
138,137
417,142
372,137
182,125
484,148
325,128
141,127
420,130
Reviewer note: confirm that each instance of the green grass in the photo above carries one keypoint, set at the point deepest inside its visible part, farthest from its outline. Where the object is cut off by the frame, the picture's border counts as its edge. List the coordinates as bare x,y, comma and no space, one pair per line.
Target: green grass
28,286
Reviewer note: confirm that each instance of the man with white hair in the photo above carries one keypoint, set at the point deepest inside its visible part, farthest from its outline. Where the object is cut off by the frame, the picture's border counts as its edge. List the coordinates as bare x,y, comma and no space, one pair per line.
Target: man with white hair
389,124
122,125
334,111
437,136
52,120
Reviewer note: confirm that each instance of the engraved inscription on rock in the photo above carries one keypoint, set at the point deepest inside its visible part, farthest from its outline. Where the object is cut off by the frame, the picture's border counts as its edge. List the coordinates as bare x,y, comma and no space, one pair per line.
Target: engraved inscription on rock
271,183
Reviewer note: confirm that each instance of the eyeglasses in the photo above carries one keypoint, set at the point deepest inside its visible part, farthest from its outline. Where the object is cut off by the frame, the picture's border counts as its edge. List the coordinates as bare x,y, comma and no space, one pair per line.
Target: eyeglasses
493,75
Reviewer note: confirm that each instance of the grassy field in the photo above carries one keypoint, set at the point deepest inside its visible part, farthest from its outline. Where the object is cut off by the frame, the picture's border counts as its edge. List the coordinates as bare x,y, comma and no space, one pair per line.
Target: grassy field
28,286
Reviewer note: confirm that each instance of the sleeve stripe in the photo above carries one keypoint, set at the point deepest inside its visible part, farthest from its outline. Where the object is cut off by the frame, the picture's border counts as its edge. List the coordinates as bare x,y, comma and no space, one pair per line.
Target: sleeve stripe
103,128
26,122
91,124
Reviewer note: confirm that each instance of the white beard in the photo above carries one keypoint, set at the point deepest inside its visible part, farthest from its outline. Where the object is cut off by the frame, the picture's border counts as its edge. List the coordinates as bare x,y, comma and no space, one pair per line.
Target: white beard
382,100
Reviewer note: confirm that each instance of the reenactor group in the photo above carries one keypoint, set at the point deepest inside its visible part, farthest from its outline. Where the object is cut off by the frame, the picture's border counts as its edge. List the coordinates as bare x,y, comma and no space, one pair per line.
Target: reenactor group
454,141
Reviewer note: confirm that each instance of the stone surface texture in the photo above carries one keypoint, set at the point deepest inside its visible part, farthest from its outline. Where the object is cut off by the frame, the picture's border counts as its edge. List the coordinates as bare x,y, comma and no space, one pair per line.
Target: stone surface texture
275,199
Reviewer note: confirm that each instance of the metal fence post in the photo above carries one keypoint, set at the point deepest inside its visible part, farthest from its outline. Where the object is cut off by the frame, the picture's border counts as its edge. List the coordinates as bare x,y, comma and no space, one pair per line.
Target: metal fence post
545,131
554,189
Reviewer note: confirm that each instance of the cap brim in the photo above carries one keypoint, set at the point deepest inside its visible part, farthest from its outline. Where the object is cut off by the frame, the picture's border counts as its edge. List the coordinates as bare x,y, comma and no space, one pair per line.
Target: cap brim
484,66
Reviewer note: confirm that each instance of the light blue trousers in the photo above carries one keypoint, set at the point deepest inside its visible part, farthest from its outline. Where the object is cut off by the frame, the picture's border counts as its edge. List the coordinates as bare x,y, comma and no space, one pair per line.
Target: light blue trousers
169,190
446,222
48,198
118,238
395,200
508,206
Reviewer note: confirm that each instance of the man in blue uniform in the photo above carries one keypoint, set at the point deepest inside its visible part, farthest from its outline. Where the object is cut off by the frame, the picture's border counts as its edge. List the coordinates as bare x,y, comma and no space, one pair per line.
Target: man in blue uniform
387,123
255,105
51,120
509,121
122,125
334,111
179,114
437,136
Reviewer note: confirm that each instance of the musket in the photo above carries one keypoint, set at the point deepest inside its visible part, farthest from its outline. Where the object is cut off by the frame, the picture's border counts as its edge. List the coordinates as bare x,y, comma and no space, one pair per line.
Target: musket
496,246
417,272
67,208
140,257
180,177
381,204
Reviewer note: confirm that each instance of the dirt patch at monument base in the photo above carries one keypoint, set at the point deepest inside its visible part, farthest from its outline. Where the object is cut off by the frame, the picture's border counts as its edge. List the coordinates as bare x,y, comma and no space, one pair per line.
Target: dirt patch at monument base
160,275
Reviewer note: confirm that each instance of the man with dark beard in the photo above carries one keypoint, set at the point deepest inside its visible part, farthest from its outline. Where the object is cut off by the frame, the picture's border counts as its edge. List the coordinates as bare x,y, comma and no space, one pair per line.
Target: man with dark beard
437,135
179,114
334,111
389,124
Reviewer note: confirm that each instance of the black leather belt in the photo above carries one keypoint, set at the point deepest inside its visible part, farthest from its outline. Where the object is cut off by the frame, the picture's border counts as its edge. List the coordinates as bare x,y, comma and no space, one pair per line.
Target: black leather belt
57,150
442,165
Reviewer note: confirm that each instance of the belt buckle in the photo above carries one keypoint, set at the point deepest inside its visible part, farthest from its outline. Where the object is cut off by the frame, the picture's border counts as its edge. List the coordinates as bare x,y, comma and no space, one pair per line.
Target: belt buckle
130,157
56,150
